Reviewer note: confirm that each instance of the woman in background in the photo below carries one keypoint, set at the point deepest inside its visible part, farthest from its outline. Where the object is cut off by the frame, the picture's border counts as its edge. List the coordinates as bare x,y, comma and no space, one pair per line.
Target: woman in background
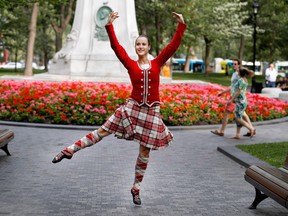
240,99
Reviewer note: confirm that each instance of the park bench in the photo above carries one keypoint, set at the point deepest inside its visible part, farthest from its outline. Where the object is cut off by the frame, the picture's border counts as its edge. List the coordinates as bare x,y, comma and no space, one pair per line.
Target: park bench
6,136
269,182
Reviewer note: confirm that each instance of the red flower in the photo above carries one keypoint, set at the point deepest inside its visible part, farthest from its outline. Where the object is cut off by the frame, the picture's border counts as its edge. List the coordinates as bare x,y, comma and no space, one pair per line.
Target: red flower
79,102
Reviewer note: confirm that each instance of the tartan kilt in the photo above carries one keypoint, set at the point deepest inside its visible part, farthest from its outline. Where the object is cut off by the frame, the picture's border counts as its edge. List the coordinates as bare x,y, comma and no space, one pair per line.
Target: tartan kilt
142,124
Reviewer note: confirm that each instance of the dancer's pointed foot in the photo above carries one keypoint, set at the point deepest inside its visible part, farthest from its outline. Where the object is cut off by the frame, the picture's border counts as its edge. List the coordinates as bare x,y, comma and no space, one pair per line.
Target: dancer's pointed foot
60,156
136,197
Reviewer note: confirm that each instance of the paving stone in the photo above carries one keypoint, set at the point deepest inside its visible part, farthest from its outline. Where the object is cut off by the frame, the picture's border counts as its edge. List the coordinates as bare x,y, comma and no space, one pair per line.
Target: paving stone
191,177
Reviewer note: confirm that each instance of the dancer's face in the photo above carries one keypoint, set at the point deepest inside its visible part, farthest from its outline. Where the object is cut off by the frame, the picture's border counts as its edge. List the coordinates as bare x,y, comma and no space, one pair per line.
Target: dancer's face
142,46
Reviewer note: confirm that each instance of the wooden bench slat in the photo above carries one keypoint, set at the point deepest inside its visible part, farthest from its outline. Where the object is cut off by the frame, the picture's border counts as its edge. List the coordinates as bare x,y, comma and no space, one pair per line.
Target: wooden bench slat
266,191
6,136
5,132
276,172
283,170
273,182
269,181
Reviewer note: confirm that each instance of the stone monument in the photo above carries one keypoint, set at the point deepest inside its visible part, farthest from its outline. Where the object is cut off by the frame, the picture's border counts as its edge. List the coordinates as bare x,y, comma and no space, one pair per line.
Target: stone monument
86,54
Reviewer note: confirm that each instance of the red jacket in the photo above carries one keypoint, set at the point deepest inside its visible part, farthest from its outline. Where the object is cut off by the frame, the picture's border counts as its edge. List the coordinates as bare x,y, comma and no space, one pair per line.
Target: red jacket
145,83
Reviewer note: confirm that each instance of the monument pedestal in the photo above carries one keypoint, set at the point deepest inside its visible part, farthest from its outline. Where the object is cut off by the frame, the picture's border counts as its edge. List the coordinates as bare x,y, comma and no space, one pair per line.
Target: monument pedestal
87,53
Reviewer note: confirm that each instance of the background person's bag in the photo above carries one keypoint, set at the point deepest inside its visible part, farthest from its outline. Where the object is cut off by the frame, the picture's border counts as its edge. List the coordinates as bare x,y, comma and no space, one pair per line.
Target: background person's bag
230,107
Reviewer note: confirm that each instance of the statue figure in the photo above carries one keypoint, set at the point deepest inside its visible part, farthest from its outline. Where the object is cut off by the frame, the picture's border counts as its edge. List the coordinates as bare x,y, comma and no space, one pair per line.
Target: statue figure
71,42
101,20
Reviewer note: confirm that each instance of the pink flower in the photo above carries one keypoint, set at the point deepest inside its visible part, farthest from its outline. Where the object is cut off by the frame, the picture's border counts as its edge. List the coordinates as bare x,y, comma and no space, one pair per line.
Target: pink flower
77,101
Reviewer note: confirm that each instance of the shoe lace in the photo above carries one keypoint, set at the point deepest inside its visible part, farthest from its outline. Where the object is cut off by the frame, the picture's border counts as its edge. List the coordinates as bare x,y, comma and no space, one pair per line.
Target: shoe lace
137,197
60,155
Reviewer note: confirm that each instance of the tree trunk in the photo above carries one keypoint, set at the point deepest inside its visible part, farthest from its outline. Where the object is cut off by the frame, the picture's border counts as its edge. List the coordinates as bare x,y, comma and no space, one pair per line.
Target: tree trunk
16,59
241,48
31,40
207,54
190,53
64,21
46,60
58,40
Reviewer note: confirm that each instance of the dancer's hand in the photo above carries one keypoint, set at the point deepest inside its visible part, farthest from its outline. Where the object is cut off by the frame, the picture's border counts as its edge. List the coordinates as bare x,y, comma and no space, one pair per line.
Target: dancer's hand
179,17
112,16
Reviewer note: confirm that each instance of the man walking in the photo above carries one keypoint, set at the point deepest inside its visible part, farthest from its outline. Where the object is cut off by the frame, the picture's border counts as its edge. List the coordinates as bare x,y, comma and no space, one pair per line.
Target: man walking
271,76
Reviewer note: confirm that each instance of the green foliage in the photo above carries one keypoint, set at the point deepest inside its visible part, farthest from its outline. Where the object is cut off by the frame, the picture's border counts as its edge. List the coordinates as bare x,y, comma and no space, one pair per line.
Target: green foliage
154,19
14,30
272,153
221,22
15,19
218,78
273,20
14,4
20,71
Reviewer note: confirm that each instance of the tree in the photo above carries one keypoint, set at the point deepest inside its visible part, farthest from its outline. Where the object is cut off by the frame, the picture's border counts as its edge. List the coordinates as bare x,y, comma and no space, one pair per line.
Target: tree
152,21
221,25
154,17
32,26
272,20
60,21
13,30
191,37
31,40
215,21
45,40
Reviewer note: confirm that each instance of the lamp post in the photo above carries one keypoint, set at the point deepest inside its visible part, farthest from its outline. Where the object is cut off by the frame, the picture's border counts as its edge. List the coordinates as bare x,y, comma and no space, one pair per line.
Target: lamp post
255,12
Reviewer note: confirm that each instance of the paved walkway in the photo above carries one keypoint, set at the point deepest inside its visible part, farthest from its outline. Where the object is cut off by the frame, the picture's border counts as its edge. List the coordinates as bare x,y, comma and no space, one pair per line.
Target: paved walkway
189,178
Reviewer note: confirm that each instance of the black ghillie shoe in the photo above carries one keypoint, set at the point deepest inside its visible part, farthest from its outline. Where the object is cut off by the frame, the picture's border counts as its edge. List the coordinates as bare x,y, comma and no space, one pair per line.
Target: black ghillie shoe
60,156
136,198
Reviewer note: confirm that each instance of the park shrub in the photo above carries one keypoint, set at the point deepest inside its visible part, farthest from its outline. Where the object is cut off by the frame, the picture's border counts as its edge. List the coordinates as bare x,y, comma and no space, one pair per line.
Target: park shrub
91,103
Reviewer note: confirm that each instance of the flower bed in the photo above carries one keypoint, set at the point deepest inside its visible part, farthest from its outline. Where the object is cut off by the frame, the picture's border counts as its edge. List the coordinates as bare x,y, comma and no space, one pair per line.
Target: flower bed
90,103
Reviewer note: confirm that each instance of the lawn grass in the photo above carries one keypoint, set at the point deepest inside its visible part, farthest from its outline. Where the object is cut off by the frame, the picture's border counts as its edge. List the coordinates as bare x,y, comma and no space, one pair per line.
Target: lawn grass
272,153
20,71
218,78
